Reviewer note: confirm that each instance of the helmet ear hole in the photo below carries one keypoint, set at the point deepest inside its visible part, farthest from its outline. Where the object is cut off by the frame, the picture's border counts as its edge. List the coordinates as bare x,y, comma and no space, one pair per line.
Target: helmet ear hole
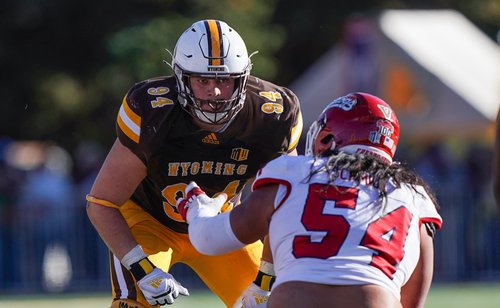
325,140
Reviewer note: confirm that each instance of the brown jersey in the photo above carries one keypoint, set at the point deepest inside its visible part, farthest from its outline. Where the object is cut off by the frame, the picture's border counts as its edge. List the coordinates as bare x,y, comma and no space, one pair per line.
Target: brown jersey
153,125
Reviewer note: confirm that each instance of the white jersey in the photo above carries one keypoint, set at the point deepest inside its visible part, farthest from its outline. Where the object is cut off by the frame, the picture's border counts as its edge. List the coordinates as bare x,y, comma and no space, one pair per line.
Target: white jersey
340,235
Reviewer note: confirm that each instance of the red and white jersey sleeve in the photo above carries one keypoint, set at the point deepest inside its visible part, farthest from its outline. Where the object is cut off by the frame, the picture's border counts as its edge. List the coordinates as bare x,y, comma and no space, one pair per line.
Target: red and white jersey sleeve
339,234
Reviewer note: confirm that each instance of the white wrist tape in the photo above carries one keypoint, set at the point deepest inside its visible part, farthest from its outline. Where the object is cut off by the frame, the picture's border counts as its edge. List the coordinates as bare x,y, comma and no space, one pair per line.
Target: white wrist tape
267,268
213,235
134,255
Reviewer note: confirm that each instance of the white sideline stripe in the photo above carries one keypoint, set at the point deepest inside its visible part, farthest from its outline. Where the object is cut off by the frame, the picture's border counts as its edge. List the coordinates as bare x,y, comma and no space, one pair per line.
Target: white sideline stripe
120,278
130,124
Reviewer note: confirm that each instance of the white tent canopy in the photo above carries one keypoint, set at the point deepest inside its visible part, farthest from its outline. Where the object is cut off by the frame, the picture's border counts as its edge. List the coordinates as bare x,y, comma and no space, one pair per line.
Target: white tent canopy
451,70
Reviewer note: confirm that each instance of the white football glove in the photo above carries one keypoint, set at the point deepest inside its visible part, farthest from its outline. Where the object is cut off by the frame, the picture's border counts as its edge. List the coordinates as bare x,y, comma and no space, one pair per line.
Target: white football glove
198,204
160,288
254,297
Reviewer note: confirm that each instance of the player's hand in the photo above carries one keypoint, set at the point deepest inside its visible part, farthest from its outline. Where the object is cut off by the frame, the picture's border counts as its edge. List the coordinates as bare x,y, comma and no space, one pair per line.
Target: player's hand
192,190
197,203
254,297
160,288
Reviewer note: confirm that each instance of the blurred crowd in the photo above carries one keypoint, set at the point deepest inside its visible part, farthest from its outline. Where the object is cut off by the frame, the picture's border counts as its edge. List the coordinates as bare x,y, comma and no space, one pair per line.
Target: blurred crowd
46,240
48,244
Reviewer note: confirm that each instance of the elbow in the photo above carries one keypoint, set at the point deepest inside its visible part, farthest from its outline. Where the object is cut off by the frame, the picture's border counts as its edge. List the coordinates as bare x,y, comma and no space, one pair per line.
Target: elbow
203,238
93,213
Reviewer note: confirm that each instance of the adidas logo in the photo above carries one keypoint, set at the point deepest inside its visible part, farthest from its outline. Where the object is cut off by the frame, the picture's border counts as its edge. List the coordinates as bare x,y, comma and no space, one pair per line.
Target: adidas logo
210,138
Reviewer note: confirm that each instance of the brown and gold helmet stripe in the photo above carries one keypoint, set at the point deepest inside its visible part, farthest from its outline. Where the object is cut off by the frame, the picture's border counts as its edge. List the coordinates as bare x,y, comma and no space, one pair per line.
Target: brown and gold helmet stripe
215,45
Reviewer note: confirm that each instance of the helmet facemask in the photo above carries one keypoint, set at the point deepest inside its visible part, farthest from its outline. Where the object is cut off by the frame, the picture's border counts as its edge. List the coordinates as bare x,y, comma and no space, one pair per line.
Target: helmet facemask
217,115
318,132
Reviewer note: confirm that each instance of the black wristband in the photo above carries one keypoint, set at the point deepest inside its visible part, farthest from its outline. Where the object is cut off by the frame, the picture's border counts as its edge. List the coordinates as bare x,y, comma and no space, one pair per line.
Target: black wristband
264,281
141,268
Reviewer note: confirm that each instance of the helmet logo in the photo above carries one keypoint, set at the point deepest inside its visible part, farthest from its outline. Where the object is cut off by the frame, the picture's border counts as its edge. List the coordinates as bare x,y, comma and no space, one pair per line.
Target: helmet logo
386,111
383,134
345,103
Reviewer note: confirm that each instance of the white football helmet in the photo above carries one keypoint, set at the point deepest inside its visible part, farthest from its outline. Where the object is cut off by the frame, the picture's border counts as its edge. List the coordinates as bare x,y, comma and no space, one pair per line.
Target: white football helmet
211,49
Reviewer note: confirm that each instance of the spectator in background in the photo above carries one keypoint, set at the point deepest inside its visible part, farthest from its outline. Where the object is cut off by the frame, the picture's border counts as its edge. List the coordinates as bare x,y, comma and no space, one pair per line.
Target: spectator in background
11,179
91,259
45,212
478,172
496,163
435,166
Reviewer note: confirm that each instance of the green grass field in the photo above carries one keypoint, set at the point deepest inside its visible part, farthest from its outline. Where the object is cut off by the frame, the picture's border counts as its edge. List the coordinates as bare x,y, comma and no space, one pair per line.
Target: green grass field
456,296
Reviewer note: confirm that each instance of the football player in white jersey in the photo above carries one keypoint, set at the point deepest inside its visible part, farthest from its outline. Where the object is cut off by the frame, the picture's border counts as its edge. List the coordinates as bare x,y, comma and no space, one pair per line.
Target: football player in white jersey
348,227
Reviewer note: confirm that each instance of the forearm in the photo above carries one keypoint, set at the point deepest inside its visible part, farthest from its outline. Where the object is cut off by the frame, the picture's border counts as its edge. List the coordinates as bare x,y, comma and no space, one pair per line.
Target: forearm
266,251
414,292
112,228
213,235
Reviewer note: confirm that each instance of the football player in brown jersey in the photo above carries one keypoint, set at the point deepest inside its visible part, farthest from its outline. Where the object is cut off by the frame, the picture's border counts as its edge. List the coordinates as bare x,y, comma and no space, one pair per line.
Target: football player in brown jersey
213,123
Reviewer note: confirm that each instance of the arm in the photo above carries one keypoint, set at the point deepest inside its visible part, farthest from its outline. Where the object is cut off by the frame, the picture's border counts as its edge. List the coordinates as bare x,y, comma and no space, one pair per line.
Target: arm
250,220
414,292
213,234
119,176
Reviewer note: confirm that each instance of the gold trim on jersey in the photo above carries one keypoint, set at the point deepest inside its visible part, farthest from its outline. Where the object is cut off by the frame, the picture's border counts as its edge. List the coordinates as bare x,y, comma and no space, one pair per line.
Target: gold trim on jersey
129,122
214,42
296,132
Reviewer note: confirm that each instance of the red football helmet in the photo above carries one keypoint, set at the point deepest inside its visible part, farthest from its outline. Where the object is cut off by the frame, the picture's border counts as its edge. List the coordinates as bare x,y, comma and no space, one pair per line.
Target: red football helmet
355,123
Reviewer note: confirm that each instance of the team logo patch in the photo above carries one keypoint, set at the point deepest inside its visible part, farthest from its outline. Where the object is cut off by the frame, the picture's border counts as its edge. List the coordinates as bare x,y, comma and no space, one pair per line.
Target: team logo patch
345,103
239,154
211,139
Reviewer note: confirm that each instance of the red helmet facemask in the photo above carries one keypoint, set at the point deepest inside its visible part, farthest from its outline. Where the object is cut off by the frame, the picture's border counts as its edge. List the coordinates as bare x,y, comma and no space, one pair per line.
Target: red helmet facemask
355,123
